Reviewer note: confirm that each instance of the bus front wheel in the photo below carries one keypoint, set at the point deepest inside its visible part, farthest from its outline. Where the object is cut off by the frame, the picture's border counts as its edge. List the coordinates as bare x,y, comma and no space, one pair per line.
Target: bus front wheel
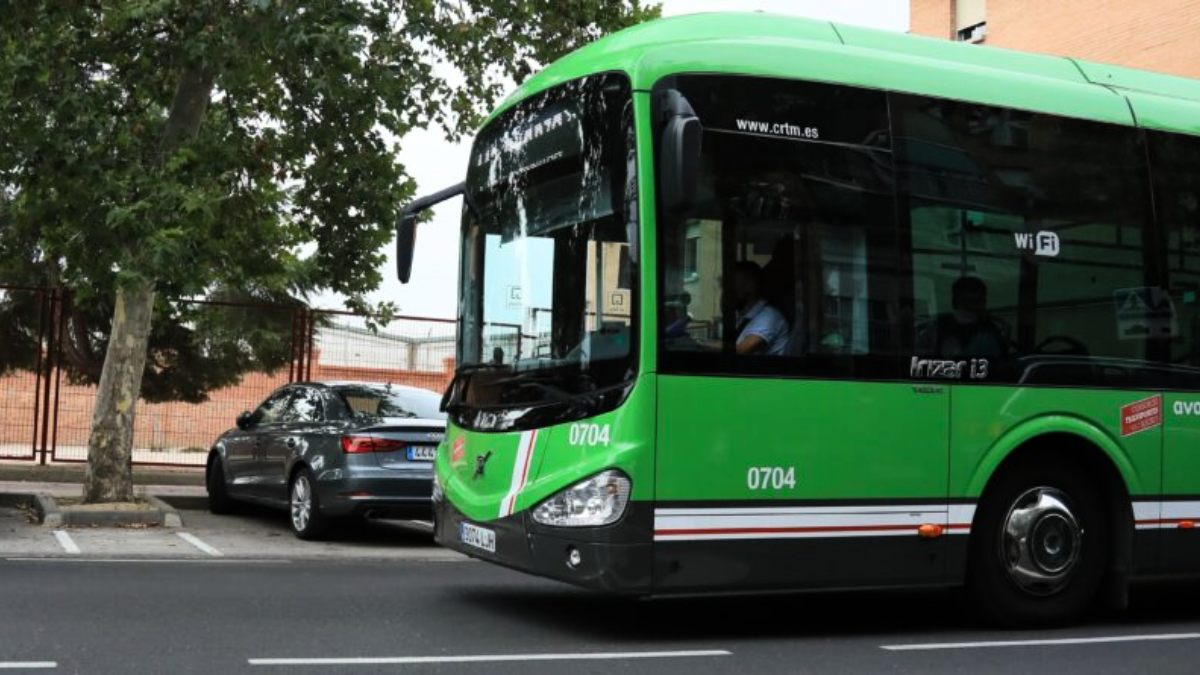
1038,547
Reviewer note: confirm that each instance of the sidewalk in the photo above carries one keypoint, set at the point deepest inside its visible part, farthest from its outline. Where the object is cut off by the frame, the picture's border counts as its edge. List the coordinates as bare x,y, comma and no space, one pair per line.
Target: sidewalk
73,474
183,488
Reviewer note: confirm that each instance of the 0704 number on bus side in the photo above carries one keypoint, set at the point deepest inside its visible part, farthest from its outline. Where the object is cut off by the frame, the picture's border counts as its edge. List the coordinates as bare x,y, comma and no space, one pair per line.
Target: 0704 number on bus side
771,478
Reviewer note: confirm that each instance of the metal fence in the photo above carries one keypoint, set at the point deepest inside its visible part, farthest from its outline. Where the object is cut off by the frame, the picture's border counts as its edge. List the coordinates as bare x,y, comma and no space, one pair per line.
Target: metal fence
45,411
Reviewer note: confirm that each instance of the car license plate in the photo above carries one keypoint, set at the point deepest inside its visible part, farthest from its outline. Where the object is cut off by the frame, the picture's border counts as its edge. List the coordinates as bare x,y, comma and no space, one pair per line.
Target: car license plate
477,537
422,453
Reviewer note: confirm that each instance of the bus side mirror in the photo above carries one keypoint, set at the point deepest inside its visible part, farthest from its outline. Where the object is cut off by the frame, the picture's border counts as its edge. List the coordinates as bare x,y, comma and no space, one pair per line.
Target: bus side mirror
406,244
679,161
406,228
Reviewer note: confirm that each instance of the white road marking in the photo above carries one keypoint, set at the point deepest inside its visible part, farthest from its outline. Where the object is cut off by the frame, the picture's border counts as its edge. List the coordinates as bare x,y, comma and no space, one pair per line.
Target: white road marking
487,658
26,665
189,561
1042,643
199,543
66,542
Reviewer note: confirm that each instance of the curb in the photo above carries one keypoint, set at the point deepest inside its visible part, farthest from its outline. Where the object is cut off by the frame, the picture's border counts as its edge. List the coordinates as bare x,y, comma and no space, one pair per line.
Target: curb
185,502
42,504
74,473
170,517
47,510
50,515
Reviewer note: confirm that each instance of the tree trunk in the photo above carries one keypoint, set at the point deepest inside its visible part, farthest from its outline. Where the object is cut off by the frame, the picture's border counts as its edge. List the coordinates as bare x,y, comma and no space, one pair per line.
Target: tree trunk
109,475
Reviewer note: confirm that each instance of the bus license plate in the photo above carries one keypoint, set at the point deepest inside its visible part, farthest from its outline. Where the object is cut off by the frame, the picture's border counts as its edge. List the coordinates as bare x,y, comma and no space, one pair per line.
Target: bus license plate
477,537
422,453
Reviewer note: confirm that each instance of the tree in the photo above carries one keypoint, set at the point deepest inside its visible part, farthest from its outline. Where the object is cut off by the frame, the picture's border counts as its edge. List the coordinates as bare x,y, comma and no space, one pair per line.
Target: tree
155,149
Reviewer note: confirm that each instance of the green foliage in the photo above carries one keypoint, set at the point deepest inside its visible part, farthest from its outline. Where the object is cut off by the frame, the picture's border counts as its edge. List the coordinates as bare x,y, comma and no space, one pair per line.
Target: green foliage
289,183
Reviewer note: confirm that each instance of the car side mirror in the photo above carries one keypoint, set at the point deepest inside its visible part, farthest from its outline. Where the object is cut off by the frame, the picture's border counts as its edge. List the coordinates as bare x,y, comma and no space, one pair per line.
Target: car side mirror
679,154
245,420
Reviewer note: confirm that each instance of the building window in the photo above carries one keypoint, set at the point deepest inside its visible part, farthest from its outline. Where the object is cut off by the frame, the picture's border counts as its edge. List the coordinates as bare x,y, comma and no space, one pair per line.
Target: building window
975,33
970,20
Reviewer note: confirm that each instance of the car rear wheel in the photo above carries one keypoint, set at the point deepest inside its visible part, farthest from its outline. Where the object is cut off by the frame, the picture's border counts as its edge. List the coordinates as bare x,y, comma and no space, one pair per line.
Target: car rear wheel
1039,546
219,501
305,509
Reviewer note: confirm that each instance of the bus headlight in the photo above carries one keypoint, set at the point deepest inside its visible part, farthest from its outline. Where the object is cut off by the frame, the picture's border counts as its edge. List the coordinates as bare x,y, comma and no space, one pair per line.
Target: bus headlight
599,500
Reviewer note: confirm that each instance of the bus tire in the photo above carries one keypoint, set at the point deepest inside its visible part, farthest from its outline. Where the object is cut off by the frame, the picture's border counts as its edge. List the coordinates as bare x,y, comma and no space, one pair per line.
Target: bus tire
1039,546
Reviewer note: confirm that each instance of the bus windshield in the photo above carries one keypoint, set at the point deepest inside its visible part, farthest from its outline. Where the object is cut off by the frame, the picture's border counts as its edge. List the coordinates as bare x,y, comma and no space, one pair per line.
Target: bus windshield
545,312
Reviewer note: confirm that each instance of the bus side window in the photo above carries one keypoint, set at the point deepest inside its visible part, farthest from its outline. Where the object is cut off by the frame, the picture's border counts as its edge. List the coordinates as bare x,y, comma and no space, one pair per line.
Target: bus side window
810,206
1175,163
1029,245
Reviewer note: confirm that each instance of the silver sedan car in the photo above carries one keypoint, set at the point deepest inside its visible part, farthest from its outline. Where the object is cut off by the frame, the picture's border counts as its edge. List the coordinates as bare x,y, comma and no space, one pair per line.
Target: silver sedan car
331,450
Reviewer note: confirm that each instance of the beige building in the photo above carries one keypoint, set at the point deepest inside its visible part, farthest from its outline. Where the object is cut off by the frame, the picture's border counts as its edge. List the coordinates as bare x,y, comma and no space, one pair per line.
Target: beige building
1158,35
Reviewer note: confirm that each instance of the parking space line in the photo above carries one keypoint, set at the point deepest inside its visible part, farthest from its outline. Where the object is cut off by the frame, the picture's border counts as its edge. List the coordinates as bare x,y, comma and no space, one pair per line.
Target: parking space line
487,658
67,543
198,543
27,665
191,561
1042,643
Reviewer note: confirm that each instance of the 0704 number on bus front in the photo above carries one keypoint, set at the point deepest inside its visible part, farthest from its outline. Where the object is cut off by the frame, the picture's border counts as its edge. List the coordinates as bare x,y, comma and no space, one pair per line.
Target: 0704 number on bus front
771,478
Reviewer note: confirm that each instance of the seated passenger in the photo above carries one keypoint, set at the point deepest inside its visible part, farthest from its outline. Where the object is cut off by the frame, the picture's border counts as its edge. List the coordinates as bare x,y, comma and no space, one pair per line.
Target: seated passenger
969,330
761,329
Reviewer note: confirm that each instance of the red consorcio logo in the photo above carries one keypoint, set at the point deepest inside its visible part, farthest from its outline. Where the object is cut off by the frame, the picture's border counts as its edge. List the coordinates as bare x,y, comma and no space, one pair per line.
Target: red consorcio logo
459,450
1141,415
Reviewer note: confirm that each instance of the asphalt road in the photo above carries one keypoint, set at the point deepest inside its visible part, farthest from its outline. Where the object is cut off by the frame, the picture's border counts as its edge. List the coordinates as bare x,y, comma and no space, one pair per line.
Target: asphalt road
222,616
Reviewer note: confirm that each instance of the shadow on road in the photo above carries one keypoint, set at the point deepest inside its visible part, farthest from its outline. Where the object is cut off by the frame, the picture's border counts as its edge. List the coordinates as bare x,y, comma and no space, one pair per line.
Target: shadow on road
766,616
274,523
813,615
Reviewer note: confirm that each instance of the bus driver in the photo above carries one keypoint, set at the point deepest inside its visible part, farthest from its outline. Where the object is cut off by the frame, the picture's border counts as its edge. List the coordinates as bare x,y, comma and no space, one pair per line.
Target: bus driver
761,329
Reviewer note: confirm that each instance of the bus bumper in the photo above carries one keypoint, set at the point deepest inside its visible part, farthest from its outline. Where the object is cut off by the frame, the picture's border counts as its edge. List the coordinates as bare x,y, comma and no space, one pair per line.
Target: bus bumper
615,559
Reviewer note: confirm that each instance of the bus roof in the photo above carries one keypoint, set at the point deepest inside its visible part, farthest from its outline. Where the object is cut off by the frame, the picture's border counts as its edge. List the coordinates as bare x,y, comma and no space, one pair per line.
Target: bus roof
787,46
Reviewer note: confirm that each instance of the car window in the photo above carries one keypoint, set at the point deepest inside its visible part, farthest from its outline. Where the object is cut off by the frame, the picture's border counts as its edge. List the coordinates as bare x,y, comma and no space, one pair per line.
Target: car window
272,410
389,402
305,405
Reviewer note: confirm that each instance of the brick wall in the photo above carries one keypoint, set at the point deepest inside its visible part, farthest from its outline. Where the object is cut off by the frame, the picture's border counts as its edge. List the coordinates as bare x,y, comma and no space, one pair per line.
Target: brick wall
1158,35
173,428
931,17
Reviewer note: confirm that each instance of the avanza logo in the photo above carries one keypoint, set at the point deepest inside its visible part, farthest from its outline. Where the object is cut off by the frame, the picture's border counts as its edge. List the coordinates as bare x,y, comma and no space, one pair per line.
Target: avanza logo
1042,243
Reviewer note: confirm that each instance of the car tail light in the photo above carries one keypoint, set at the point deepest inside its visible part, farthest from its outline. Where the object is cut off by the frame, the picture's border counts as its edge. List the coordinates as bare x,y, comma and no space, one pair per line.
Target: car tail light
352,445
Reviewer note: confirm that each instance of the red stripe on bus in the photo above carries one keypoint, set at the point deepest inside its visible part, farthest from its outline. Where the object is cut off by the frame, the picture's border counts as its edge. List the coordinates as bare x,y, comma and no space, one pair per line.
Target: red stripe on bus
794,530
1163,521
528,459
512,504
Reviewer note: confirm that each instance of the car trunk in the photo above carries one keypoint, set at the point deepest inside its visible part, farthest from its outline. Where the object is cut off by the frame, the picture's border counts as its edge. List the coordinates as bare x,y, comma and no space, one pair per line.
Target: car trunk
418,439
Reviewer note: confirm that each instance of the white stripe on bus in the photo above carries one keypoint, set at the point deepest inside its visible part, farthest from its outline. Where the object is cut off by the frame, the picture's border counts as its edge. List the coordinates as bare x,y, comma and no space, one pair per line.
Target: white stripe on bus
520,473
761,510
1166,515
865,520
802,522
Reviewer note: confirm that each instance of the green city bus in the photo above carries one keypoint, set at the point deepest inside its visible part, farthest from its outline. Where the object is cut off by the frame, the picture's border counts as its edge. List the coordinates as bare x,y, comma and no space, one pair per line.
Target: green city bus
756,303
